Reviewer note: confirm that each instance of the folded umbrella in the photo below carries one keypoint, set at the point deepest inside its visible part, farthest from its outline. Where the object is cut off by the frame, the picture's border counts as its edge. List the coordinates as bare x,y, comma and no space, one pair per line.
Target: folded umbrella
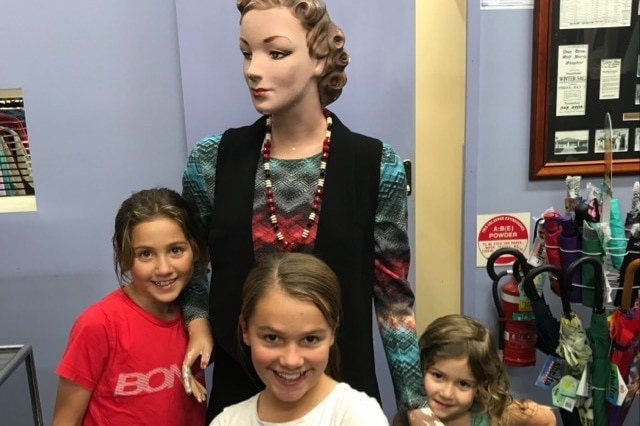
591,246
598,337
632,253
616,243
633,215
551,231
624,329
573,345
569,241
547,326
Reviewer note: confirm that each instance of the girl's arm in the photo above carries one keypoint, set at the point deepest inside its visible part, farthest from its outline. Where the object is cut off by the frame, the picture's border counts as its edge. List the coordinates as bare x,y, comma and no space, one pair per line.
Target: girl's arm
71,403
528,412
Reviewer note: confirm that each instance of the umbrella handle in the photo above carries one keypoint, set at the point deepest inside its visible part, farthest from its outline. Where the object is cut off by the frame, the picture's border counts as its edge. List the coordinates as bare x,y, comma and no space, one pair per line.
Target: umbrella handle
529,287
627,290
498,302
532,293
495,292
598,306
520,261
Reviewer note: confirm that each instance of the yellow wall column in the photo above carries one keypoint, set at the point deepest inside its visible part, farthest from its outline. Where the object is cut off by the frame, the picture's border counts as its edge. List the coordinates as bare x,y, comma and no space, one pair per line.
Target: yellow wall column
440,124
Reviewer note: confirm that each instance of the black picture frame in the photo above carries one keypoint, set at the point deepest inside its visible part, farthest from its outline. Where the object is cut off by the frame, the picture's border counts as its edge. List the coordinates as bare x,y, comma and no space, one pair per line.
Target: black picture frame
558,147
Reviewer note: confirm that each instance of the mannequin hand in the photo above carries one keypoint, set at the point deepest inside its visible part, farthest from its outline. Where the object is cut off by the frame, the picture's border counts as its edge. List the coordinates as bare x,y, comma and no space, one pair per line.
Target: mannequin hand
200,346
423,417
193,386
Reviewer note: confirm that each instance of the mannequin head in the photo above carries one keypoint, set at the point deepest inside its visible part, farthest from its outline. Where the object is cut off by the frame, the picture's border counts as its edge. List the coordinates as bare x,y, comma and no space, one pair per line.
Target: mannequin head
325,40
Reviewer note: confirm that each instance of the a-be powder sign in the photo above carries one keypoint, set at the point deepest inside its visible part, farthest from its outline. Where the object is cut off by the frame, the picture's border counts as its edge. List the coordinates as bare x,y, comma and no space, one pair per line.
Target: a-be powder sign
502,230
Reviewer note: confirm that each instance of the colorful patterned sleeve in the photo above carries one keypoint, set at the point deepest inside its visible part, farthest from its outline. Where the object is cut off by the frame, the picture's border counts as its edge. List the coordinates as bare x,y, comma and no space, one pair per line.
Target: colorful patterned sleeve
393,296
198,183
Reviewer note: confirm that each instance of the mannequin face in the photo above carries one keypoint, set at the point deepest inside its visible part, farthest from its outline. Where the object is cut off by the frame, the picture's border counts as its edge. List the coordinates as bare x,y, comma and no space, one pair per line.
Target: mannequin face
277,66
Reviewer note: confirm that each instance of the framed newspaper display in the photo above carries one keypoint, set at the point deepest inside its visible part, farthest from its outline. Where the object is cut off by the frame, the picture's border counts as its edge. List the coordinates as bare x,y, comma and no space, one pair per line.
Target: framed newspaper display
586,62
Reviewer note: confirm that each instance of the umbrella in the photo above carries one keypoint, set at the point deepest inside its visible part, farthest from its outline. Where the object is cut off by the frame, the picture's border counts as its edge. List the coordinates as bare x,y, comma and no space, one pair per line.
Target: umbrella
591,246
616,242
598,336
573,345
624,329
521,267
547,326
633,215
633,252
569,241
551,231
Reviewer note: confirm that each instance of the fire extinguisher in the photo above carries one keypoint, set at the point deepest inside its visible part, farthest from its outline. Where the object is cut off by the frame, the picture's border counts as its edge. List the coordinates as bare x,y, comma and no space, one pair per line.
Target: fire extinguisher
517,336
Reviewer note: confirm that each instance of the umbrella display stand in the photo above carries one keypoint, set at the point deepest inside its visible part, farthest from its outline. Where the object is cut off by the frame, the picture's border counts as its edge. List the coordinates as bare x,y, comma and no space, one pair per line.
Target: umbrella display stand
587,356
588,255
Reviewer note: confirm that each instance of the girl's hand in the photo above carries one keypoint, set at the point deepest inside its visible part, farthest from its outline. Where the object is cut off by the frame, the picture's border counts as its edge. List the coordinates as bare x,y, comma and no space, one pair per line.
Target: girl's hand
527,412
200,346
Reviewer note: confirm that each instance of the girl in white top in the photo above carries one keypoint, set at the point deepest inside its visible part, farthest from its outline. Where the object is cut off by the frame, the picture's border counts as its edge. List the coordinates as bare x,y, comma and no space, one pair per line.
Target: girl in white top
288,321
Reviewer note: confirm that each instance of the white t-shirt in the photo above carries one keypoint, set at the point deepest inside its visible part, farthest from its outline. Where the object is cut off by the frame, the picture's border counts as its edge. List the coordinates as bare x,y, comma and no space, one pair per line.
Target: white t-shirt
343,406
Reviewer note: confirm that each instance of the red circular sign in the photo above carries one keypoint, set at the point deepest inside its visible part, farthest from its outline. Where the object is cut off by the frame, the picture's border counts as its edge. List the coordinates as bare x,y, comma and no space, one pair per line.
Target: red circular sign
502,231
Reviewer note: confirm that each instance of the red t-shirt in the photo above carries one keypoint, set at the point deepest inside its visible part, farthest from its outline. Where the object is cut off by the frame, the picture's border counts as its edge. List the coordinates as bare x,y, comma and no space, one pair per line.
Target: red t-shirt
131,361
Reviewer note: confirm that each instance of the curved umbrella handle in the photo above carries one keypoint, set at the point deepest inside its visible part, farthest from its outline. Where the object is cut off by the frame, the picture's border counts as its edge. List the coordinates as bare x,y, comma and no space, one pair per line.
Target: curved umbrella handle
530,288
627,290
520,261
498,303
532,293
598,306
495,293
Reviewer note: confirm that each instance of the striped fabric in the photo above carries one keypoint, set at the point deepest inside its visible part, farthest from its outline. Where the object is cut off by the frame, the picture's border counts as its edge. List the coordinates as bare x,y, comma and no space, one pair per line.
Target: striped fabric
294,182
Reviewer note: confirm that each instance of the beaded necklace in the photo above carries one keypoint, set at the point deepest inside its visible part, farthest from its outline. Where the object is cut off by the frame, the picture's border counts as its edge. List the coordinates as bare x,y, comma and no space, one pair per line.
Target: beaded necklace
317,197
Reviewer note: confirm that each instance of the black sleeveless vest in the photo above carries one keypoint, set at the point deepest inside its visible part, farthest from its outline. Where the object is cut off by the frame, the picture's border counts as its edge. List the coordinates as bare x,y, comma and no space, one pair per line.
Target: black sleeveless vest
344,239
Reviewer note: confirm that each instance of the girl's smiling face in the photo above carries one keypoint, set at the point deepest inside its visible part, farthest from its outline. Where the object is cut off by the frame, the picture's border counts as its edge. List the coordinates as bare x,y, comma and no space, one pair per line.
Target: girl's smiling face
451,389
290,341
162,265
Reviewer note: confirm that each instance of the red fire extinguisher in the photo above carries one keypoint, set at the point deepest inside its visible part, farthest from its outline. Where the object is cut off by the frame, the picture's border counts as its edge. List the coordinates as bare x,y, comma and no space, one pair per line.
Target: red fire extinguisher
517,338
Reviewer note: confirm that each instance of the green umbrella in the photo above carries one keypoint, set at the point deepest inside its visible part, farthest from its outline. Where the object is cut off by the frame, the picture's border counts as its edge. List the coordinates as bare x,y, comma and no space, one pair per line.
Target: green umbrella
591,246
599,341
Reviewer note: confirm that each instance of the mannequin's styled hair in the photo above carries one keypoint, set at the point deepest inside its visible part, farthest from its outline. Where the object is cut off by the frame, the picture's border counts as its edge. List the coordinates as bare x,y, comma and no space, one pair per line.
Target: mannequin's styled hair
324,39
